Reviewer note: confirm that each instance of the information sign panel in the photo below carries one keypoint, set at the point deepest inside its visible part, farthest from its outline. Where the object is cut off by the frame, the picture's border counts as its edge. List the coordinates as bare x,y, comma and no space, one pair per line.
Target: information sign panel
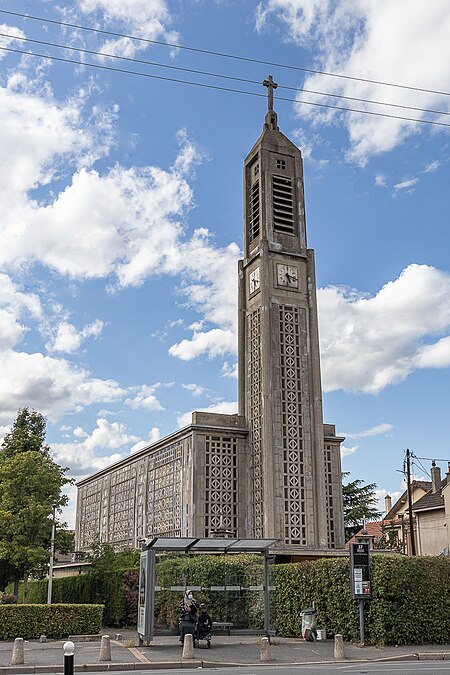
360,583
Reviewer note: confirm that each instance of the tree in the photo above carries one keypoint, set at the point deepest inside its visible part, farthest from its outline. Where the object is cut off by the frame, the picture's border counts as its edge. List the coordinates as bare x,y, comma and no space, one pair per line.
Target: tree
389,537
27,434
30,488
359,505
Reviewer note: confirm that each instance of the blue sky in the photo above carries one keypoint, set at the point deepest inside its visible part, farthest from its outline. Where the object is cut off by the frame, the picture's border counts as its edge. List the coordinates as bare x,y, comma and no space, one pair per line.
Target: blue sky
121,218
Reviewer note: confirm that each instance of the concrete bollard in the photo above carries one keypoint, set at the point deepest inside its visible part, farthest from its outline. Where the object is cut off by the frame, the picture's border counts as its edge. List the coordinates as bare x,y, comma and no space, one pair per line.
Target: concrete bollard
265,650
18,654
339,647
105,648
188,647
118,637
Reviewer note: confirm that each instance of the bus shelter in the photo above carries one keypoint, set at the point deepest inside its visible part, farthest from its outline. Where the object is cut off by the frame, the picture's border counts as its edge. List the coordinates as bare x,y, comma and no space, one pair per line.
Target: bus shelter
190,545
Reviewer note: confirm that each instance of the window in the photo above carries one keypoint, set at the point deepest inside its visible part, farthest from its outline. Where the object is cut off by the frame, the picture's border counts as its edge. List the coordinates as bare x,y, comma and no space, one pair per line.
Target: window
283,204
281,163
254,211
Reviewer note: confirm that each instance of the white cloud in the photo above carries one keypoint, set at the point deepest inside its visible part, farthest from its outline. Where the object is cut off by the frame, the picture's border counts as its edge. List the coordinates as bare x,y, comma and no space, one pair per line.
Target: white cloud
436,355
153,436
7,41
404,41
380,494
346,452
40,137
215,342
380,181
224,408
432,166
144,397
378,430
205,268
3,431
369,343
100,225
195,389
52,386
148,19
230,370
405,184
109,435
83,457
80,433
123,222
68,339
15,300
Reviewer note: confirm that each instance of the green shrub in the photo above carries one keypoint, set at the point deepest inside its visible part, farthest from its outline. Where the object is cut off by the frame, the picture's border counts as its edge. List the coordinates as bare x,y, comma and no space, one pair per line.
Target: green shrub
410,605
55,621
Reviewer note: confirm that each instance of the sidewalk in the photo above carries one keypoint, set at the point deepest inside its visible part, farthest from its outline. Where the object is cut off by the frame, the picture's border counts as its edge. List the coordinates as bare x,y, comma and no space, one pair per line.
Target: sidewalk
166,652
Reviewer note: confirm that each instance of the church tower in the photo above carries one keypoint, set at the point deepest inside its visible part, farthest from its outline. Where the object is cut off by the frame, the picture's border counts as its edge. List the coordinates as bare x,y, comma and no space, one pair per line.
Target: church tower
291,474
273,471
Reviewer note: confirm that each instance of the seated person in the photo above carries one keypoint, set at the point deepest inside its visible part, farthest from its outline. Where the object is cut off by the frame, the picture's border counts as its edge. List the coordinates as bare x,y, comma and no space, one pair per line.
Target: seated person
188,614
204,623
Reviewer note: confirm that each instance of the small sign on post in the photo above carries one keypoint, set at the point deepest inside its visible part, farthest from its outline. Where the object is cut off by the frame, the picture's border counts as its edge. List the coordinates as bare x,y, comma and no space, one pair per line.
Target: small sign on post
361,588
360,582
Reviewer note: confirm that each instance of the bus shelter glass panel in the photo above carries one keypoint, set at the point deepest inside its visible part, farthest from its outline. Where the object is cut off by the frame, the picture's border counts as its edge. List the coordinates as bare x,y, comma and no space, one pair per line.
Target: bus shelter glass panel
232,587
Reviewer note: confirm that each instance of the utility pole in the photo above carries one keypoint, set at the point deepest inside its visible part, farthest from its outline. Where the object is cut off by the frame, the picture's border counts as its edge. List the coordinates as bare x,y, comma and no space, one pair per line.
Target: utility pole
410,513
52,555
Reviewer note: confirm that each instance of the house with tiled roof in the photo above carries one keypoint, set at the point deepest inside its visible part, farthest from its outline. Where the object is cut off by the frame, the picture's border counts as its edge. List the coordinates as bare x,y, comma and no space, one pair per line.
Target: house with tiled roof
371,532
432,516
397,516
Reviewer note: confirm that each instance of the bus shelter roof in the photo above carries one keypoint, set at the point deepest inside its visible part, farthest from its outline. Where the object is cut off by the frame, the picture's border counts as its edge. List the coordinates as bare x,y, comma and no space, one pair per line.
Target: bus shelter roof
208,544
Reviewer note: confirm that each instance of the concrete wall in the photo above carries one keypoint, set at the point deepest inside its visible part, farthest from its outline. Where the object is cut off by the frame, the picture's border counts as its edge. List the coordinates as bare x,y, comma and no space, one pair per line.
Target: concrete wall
431,532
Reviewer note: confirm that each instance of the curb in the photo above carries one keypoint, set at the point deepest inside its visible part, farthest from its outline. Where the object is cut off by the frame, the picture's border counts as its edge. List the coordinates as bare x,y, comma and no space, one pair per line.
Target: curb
197,663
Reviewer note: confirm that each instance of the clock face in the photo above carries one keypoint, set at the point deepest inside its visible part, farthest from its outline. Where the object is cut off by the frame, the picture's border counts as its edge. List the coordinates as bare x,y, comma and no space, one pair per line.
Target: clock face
287,275
254,280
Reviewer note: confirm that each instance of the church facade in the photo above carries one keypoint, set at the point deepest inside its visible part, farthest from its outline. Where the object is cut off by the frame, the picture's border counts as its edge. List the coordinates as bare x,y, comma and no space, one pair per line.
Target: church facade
273,470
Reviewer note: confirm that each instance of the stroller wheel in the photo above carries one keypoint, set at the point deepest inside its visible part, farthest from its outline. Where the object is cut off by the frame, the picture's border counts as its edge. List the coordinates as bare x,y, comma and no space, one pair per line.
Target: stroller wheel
208,644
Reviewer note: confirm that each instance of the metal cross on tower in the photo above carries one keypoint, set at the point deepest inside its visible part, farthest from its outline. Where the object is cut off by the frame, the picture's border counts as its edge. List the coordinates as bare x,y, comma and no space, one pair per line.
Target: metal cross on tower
271,85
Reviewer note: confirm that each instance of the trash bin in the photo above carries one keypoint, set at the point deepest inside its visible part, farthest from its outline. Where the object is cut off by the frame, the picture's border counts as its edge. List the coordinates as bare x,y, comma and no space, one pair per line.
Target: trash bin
309,624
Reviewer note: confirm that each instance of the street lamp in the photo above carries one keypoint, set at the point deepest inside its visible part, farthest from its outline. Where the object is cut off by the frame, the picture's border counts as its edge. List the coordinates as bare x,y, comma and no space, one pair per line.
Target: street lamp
52,554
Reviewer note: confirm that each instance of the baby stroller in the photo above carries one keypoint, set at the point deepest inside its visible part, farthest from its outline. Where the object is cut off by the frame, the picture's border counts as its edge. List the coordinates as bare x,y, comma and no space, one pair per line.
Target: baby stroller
203,628
187,625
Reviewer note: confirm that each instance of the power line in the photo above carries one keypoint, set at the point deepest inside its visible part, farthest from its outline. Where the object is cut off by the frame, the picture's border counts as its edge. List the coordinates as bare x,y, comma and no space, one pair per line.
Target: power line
420,465
433,459
223,54
217,87
217,75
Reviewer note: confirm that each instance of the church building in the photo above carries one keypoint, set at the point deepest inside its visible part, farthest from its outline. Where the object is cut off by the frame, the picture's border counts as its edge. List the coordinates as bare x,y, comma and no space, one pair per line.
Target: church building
274,469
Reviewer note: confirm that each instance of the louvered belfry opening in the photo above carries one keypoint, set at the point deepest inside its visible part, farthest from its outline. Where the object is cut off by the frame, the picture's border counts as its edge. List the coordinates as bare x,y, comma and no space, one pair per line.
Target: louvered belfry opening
254,211
283,204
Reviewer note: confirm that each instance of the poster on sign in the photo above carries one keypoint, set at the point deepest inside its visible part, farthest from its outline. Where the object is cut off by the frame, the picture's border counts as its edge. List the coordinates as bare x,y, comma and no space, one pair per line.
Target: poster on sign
360,584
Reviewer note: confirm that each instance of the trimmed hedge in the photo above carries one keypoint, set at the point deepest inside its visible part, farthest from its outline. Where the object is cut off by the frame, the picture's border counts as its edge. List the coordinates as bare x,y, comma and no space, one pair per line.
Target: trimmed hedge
410,605
54,621
84,589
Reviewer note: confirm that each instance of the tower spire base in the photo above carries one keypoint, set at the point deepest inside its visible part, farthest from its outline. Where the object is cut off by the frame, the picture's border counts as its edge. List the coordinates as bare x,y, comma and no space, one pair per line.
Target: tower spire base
271,120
